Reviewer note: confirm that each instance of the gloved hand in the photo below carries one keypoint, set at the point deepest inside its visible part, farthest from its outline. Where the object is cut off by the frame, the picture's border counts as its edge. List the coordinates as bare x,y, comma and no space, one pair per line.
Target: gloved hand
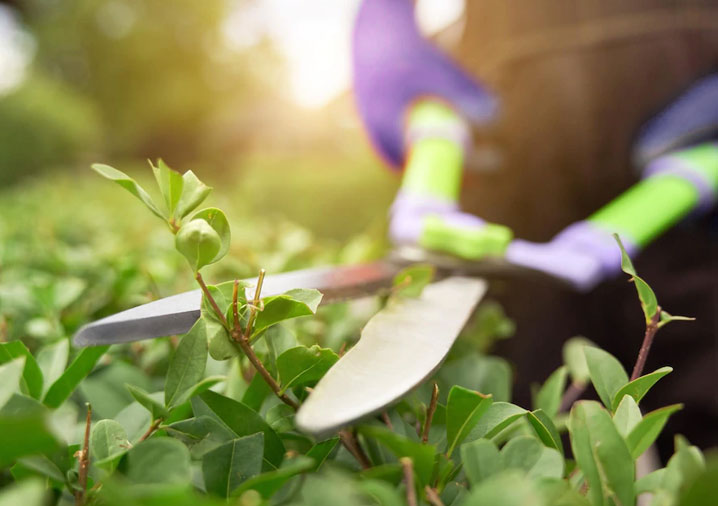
691,119
394,66
437,224
583,254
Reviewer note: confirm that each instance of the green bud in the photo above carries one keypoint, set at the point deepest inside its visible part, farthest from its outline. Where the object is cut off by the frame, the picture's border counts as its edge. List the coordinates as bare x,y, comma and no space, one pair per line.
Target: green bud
199,243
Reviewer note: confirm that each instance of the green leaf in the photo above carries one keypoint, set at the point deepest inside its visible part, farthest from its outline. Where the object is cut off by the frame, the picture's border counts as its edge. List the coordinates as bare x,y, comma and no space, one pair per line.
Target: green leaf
601,454
151,402
481,459
545,429
198,243
241,420
421,455
108,441
220,347
79,368
10,374
32,375
464,408
640,386
528,454
266,484
548,398
52,360
410,282
130,185
194,192
218,221
26,434
201,434
498,417
627,415
647,430
170,183
187,365
666,318
607,374
686,464
508,488
650,482
301,366
30,492
280,417
649,303
256,393
159,460
482,373
291,304
228,466
320,452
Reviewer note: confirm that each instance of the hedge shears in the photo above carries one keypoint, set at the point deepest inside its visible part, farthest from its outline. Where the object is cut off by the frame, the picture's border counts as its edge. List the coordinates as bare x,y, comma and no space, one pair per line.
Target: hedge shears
399,348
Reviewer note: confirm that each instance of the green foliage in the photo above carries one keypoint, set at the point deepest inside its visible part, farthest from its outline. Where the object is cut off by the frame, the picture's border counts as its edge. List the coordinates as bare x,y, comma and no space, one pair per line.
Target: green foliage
187,366
607,374
640,386
63,387
214,429
410,282
226,467
302,366
601,454
108,442
464,409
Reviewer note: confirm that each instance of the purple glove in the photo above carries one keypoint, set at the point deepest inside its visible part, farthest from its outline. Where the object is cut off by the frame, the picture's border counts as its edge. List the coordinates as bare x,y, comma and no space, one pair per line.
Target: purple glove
691,119
394,65
582,254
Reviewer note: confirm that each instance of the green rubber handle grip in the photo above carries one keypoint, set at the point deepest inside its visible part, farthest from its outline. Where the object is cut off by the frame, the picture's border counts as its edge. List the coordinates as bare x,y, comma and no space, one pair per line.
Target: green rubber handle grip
658,202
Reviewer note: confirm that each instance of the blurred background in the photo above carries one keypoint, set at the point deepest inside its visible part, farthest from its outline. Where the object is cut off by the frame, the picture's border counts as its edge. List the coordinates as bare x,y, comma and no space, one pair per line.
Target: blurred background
253,95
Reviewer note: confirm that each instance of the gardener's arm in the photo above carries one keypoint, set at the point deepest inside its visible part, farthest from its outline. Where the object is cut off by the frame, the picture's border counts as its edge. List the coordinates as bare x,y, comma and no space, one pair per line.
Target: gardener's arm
416,104
426,210
679,154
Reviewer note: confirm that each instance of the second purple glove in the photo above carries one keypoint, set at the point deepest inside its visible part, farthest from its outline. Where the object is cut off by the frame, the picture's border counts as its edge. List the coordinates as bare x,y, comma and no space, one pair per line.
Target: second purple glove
394,66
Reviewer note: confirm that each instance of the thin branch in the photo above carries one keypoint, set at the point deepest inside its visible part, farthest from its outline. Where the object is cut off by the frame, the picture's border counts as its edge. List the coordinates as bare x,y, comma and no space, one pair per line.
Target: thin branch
651,330
242,339
351,443
235,296
259,366
408,467
255,303
211,300
151,430
84,456
385,418
430,414
571,395
432,496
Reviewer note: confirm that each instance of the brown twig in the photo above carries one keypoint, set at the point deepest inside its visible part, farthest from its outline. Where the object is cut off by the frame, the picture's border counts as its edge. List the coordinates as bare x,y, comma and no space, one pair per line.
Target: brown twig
571,395
408,466
430,414
255,303
84,457
432,496
242,339
352,445
211,300
151,430
342,349
259,366
235,297
651,330
385,418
